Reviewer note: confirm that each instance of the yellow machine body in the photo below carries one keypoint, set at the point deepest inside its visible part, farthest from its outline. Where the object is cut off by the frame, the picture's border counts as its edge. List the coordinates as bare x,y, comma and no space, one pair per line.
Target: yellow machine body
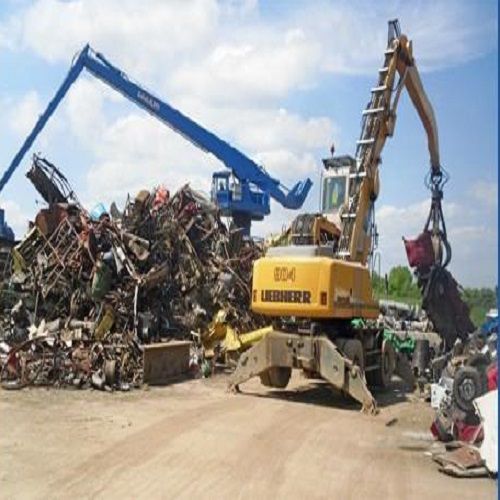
312,287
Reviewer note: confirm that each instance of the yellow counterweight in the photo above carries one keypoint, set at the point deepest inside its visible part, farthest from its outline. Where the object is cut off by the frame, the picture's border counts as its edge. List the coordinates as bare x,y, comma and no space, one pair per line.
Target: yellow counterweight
312,287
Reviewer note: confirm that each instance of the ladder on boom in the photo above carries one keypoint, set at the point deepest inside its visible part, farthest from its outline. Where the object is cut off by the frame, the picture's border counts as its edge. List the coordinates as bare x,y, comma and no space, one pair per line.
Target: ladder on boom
367,152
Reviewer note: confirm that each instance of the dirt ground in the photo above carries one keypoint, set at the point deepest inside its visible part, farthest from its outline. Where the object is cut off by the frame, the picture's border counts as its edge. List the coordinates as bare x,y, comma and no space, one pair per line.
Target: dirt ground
193,439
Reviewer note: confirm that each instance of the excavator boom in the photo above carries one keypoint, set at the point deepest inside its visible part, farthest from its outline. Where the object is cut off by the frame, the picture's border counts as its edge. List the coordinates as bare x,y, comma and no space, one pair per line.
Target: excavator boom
379,120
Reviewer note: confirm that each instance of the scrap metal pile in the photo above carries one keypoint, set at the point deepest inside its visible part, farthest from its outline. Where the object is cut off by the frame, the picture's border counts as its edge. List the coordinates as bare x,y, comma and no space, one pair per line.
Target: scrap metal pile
464,396
92,288
461,384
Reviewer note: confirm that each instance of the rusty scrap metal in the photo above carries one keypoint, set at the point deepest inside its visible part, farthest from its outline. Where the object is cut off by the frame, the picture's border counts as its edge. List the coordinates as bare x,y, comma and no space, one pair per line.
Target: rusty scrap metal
102,286
50,182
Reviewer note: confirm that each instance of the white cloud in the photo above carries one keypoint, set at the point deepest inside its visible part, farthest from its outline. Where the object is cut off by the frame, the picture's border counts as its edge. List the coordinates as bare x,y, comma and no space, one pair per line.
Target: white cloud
24,113
278,128
55,29
287,166
471,233
136,150
266,128
230,51
240,8
84,109
16,217
444,32
265,65
486,193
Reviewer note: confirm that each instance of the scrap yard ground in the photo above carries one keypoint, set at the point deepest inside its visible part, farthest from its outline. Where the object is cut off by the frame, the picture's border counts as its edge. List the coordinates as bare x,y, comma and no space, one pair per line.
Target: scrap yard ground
194,439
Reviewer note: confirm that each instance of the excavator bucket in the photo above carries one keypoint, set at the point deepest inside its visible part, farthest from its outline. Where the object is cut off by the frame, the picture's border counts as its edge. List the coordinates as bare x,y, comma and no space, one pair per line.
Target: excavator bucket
441,298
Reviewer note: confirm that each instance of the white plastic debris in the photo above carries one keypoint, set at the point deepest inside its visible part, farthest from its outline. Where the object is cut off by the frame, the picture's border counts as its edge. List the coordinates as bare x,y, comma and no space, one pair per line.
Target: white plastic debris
487,407
440,391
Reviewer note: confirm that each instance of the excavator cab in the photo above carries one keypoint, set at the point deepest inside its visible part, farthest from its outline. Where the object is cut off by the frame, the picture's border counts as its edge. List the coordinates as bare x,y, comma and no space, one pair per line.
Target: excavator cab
335,186
324,228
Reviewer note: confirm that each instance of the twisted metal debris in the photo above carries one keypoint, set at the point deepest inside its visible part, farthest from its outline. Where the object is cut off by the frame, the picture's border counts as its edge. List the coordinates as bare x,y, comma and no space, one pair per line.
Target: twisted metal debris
88,289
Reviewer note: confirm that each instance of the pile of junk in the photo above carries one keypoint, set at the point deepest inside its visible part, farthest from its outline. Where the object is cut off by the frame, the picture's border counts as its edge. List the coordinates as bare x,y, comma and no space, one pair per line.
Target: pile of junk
464,395
85,293
456,368
460,382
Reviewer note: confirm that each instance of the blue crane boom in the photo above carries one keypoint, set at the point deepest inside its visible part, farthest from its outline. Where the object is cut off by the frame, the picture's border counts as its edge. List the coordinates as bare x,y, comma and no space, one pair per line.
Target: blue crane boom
249,204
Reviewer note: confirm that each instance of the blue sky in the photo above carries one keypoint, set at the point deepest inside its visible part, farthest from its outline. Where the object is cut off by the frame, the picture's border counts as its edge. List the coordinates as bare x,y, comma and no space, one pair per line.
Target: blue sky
281,81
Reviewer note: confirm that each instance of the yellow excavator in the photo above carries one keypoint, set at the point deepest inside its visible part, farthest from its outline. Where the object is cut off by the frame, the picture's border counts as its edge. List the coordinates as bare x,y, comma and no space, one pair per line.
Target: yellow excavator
317,290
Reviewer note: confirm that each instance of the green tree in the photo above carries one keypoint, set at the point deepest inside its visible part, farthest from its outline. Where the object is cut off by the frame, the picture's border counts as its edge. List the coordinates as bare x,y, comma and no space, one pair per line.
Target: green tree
378,284
480,301
398,285
400,281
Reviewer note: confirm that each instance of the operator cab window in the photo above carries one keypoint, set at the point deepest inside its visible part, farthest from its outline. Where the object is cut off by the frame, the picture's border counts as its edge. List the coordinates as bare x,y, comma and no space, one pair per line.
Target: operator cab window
235,187
334,193
220,184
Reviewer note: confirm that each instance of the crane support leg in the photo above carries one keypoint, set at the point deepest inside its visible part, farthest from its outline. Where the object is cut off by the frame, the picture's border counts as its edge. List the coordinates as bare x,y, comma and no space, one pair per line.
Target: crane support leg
312,353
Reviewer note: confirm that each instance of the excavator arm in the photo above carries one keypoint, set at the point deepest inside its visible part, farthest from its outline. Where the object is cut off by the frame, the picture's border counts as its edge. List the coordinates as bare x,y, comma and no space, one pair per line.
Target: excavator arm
430,253
398,72
243,168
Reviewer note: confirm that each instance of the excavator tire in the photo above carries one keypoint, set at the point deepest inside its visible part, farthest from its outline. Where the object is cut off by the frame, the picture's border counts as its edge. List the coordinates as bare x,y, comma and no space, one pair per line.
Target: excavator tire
276,376
381,377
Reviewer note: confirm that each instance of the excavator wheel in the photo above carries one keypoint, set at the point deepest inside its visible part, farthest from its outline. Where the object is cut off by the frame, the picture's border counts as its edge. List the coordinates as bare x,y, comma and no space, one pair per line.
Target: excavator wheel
276,376
381,377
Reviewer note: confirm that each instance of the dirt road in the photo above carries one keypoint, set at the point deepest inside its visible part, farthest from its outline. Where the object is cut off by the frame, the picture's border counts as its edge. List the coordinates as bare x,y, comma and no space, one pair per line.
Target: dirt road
193,439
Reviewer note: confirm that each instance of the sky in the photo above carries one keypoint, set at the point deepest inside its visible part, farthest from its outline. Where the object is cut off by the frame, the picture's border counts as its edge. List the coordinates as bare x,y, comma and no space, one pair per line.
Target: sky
279,80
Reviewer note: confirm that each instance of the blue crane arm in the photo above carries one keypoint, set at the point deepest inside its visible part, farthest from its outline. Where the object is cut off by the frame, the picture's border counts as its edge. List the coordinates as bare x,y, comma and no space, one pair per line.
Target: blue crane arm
243,167
72,75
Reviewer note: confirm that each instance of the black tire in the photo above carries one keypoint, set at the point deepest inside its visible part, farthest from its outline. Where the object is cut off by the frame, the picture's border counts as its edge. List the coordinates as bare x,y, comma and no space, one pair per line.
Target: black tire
264,379
276,376
481,362
9,383
110,372
381,377
467,386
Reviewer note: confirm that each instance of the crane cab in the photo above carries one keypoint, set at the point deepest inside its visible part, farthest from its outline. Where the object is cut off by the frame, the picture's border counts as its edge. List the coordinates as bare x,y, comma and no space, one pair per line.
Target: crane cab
335,186
239,199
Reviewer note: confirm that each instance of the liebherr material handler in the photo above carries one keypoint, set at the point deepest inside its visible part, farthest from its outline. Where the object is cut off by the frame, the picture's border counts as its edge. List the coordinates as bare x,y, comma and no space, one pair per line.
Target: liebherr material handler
318,289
